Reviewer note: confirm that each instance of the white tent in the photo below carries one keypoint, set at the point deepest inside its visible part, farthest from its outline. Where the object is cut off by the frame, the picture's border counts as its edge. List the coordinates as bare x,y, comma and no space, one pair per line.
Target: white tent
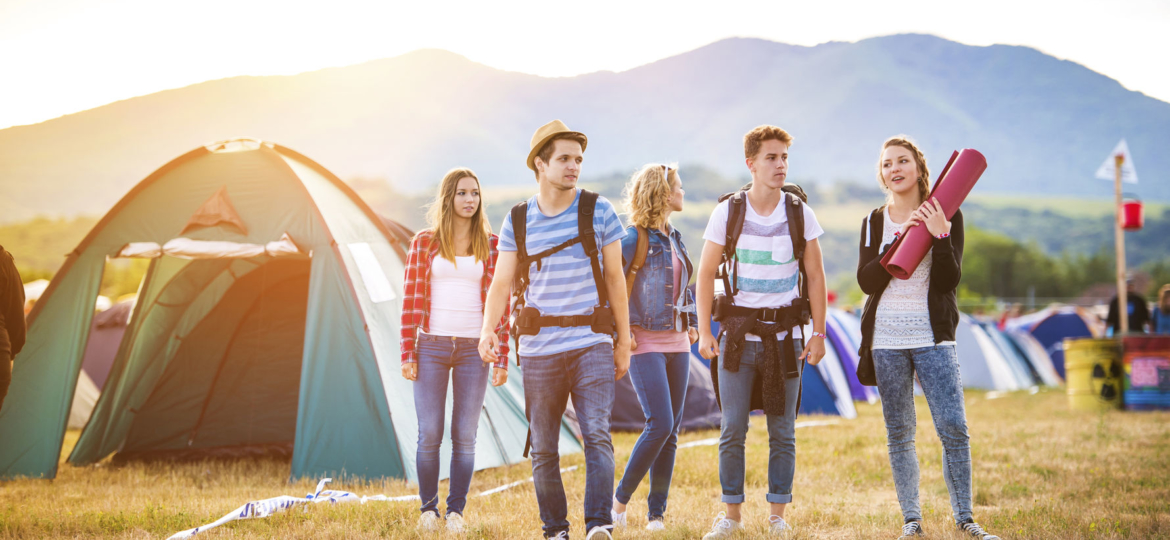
981,364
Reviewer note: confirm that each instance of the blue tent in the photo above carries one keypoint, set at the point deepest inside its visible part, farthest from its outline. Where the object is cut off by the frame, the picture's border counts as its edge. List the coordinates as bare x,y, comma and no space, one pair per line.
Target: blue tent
1054,325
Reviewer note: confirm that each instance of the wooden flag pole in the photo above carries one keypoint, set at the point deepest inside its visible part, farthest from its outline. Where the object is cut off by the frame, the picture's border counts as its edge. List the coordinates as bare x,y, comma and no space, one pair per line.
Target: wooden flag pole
1119,236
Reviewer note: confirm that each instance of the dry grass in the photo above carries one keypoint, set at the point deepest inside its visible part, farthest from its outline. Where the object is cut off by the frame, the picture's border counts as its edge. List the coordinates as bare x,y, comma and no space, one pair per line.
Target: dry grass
1040,472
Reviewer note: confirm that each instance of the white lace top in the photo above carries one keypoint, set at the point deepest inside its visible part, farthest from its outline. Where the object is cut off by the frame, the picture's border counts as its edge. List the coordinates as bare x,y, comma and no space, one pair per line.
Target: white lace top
903,316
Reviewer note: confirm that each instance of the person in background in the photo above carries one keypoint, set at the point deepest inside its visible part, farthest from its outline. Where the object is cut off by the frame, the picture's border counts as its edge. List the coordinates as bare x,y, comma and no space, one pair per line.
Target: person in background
1160,319
662,319
908,331
1139,311
448,272
12,327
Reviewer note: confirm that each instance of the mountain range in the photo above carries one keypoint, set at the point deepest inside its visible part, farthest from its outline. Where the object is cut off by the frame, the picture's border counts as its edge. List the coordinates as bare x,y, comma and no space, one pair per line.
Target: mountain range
1044,124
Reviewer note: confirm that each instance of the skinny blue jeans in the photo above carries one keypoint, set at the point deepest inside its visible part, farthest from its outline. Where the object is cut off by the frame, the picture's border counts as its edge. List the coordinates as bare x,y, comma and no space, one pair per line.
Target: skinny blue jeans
660,381
938,372
586,377
443,360
735,395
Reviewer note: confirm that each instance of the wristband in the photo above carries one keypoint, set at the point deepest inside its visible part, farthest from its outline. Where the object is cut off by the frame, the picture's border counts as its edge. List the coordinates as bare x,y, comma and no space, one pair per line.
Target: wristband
818,334
943,235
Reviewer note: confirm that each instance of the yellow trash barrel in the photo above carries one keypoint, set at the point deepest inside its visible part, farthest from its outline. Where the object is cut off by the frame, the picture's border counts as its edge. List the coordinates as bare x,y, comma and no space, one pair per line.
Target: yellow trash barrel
1093,374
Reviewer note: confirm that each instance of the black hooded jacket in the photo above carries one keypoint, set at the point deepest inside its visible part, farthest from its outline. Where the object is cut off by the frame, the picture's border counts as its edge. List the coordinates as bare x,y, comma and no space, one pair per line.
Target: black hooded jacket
945,271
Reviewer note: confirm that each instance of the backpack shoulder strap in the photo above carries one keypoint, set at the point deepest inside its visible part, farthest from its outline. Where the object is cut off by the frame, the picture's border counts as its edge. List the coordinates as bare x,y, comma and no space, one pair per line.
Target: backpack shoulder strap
794,210
735,215
585,230
640,250
520,228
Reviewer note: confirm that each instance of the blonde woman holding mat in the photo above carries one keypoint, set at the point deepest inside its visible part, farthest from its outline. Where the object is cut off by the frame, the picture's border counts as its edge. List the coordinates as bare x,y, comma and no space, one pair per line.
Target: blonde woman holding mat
448,272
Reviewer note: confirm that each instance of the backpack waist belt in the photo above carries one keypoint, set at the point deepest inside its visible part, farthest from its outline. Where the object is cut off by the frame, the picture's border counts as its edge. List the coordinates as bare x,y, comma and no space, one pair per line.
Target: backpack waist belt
530,321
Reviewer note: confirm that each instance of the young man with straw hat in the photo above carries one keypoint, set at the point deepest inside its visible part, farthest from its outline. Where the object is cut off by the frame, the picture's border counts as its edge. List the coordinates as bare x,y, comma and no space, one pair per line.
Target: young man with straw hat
562,248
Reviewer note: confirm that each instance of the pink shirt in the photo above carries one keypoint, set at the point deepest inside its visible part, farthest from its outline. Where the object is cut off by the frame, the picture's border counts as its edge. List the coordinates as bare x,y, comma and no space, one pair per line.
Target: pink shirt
663,341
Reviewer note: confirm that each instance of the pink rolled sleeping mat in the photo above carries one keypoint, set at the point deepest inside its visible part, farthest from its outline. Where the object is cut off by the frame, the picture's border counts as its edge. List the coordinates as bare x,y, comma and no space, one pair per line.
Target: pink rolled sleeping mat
951,189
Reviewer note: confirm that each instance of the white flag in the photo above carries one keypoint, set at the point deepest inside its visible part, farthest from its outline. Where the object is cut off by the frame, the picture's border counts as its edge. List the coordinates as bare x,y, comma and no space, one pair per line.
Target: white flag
1109,168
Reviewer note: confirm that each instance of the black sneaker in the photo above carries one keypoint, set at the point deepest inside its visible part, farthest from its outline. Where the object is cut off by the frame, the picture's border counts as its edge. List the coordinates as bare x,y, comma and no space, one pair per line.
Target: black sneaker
975,531
911,529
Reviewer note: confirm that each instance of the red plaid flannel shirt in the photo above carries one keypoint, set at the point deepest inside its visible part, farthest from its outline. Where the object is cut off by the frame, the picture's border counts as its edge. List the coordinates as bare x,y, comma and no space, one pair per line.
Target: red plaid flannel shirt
416,305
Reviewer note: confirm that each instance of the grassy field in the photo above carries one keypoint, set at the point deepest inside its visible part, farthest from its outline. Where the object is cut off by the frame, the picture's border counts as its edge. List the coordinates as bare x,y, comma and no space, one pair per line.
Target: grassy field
1040,471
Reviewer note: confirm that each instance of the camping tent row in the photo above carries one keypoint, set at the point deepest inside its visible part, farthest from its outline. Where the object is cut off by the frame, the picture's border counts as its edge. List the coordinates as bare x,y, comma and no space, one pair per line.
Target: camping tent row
267,322
993,360
1052,325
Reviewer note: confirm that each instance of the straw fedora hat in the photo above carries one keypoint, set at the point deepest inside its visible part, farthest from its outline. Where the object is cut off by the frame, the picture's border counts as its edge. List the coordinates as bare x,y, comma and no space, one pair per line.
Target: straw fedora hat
546,132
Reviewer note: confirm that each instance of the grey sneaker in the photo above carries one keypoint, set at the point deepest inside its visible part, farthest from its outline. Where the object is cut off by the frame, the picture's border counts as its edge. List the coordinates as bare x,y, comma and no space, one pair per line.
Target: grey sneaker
911,529
722,528
454,523
600,532
975,531
562,535
778,527
656,525
429,521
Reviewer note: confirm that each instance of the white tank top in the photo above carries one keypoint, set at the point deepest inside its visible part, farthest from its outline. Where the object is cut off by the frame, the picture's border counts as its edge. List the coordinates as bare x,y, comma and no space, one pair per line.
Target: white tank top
456,297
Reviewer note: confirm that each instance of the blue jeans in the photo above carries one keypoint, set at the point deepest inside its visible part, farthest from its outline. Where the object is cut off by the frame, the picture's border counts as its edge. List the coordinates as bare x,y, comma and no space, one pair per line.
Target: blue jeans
660,380
438,356
586,376
735,395
938,371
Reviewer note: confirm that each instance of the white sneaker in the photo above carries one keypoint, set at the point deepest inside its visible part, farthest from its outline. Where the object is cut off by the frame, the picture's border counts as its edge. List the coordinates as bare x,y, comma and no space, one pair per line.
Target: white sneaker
619,520
454,523
656,525
429,521
563,535
779,527
601,531
722,527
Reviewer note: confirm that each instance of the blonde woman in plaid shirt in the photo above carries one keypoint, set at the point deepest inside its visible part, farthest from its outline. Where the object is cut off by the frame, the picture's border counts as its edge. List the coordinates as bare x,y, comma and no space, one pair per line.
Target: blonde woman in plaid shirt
448,272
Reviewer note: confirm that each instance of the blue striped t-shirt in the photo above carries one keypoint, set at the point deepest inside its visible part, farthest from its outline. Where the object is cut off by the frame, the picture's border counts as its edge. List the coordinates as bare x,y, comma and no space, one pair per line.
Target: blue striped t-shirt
564,285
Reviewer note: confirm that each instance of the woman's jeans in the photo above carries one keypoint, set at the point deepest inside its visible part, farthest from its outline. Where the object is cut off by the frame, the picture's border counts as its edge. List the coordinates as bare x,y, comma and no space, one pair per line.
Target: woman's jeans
439,356
938,372
660,380
735,396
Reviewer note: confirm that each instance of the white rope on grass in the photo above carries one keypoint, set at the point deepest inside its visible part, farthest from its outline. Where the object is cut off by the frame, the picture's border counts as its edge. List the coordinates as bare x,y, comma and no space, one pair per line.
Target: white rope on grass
267,507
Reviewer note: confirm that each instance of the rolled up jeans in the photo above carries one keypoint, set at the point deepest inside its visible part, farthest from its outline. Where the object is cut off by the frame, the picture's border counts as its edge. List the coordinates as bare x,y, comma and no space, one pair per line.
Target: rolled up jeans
443,360
938,372
735,395
585,376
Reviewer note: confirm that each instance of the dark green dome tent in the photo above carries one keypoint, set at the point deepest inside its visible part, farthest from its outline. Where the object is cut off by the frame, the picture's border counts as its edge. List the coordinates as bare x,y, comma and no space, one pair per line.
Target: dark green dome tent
267,322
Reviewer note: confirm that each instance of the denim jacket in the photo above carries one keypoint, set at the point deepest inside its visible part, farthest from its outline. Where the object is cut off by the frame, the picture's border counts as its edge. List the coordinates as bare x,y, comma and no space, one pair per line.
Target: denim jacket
652,303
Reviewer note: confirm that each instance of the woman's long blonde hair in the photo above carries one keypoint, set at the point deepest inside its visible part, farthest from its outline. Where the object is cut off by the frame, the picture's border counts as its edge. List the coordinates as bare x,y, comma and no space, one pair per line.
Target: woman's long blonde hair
647,195
919,162
441,218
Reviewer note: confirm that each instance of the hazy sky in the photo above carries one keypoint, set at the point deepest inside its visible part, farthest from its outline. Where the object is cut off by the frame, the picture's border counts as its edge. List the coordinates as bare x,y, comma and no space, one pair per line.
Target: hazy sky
63,56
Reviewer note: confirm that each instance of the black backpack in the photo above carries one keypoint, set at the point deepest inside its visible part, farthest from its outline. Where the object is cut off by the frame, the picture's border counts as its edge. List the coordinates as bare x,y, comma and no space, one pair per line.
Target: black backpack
736,210
529,321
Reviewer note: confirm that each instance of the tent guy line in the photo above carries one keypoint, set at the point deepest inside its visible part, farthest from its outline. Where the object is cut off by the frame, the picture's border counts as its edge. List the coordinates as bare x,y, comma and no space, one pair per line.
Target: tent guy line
267,507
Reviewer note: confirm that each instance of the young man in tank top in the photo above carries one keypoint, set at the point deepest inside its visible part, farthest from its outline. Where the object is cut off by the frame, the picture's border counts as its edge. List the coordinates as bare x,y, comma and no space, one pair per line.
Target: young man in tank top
562,361
767,278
